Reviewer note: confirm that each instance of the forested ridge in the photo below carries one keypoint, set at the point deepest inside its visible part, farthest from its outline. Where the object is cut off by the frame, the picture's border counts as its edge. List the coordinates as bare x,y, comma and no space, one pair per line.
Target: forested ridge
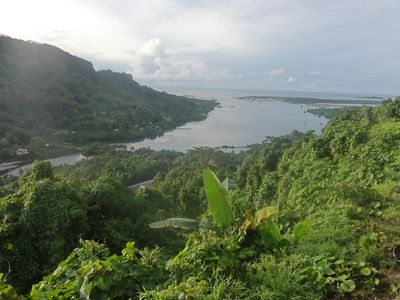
48,96
301,216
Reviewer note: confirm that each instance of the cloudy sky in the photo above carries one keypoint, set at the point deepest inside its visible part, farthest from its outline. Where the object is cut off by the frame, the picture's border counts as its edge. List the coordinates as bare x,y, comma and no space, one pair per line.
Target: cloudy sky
304,45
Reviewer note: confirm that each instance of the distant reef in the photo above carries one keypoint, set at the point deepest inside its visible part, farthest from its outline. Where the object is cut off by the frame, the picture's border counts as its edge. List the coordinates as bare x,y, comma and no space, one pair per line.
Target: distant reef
308,100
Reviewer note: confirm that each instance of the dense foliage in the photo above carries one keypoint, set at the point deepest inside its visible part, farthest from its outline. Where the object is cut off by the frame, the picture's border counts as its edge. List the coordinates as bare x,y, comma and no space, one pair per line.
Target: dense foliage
129,167
48,96
182,185
311,217
44,216
328,113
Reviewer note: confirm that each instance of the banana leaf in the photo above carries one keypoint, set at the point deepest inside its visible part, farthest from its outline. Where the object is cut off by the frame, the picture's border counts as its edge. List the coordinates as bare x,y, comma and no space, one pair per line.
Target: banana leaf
217,196
265,213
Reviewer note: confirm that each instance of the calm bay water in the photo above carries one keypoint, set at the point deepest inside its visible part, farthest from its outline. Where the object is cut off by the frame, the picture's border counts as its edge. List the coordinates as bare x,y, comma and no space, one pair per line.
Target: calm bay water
236,123
58,161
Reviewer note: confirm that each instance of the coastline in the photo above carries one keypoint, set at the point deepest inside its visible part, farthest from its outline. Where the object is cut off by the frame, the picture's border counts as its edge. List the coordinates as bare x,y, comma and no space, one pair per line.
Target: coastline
14,162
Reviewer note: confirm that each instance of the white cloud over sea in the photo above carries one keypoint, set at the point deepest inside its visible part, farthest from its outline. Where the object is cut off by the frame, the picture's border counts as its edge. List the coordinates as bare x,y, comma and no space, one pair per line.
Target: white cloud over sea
287,44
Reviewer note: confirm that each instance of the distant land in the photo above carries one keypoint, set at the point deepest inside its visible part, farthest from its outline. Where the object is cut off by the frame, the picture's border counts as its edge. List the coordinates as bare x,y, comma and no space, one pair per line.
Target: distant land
52,102
370,97
304,100
328,113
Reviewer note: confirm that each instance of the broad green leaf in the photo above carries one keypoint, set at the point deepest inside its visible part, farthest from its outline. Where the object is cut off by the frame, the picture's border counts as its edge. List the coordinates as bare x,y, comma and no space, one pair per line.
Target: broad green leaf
376,281
270,234
300,229
104,282
181,223
272,227
365,271
217,196
329,271
347,286
264,213
268,239
248,223
363,241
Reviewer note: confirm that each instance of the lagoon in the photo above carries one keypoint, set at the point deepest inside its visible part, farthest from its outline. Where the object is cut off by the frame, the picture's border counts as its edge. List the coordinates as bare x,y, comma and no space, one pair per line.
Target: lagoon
235,123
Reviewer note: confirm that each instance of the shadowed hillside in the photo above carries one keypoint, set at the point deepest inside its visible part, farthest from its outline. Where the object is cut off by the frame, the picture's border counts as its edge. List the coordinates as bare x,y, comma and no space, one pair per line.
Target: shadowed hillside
50,96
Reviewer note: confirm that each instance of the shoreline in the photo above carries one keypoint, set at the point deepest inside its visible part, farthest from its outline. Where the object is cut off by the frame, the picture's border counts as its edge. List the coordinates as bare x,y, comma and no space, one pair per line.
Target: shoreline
15,162
308,100
12,162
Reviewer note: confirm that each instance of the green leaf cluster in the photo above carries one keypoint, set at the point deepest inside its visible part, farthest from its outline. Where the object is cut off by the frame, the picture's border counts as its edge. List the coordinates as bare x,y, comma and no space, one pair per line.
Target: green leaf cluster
331,237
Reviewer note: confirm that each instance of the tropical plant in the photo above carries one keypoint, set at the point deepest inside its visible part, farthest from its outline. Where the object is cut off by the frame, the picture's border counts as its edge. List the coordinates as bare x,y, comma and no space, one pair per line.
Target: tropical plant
217,196
90,272
218,203
7,291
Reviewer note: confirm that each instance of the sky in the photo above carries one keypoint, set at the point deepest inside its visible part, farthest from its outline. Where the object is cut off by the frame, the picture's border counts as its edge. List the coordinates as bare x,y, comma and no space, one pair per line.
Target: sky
296,45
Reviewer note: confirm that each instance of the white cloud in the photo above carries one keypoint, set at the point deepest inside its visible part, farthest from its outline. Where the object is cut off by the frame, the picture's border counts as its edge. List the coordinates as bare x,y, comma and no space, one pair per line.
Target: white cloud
291,79
153,62
276,72
150,59
217,40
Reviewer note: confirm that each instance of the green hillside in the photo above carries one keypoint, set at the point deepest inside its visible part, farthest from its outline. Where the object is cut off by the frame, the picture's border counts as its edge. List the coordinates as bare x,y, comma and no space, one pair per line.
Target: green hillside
303,216
48,96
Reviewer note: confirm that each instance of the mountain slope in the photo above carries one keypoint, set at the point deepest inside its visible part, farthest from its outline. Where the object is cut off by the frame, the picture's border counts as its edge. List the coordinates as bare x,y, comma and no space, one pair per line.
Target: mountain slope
333,236
46,92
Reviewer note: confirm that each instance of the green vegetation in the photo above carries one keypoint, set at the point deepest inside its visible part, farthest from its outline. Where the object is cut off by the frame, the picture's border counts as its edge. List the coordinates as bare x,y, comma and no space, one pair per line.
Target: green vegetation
370,97
305,100
301,216
49,97
328,113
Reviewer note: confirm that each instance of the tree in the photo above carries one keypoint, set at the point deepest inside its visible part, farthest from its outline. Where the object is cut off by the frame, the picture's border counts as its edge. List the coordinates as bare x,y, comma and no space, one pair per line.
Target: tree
40,225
